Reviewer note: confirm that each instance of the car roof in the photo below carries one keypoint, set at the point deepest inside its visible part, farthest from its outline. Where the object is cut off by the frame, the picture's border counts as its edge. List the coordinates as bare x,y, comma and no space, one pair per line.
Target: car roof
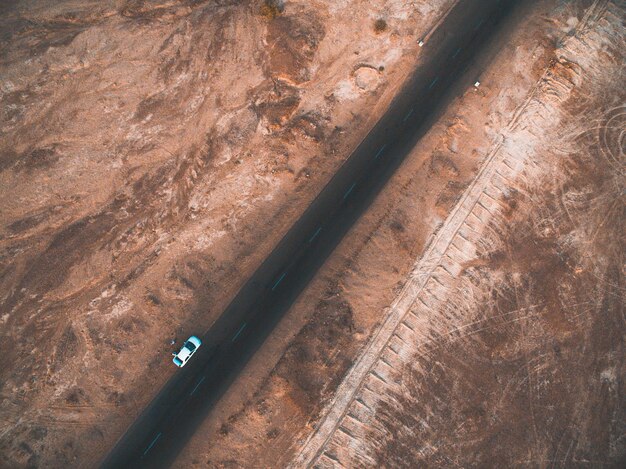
183,354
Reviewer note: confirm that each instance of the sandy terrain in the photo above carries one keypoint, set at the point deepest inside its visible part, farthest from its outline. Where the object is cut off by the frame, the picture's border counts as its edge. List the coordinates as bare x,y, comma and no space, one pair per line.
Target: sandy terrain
151,153
506,346
499,245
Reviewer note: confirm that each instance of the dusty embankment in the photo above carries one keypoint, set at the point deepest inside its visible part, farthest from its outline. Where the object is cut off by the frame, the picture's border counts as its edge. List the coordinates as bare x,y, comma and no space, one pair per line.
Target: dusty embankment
285,391
151,153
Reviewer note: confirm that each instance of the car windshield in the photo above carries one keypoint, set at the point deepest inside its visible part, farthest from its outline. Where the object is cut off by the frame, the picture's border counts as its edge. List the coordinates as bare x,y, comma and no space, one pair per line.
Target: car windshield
190,346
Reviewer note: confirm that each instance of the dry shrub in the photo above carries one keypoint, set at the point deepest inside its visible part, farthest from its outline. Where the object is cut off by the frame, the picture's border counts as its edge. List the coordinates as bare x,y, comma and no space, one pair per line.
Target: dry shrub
380,25
272,8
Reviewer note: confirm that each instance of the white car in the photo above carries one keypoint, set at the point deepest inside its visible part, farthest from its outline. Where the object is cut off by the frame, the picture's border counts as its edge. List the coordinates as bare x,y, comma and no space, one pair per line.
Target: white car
189,348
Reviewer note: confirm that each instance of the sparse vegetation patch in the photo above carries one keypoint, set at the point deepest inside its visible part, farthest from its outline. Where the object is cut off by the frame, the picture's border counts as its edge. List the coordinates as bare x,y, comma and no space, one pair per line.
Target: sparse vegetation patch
272,8
380,25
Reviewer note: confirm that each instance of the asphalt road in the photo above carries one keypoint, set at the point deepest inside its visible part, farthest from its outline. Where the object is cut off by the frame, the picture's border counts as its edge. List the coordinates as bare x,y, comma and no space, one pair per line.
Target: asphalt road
160,433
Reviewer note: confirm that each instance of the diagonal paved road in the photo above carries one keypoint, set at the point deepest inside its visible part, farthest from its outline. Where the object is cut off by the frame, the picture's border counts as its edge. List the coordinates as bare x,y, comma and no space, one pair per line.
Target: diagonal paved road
160,433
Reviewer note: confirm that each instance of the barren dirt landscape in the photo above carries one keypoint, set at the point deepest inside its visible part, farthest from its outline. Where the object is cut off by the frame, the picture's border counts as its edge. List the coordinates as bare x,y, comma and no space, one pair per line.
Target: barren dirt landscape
152,153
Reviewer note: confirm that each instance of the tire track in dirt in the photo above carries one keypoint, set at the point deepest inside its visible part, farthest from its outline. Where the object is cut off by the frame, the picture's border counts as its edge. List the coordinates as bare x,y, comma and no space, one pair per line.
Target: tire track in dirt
376,372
